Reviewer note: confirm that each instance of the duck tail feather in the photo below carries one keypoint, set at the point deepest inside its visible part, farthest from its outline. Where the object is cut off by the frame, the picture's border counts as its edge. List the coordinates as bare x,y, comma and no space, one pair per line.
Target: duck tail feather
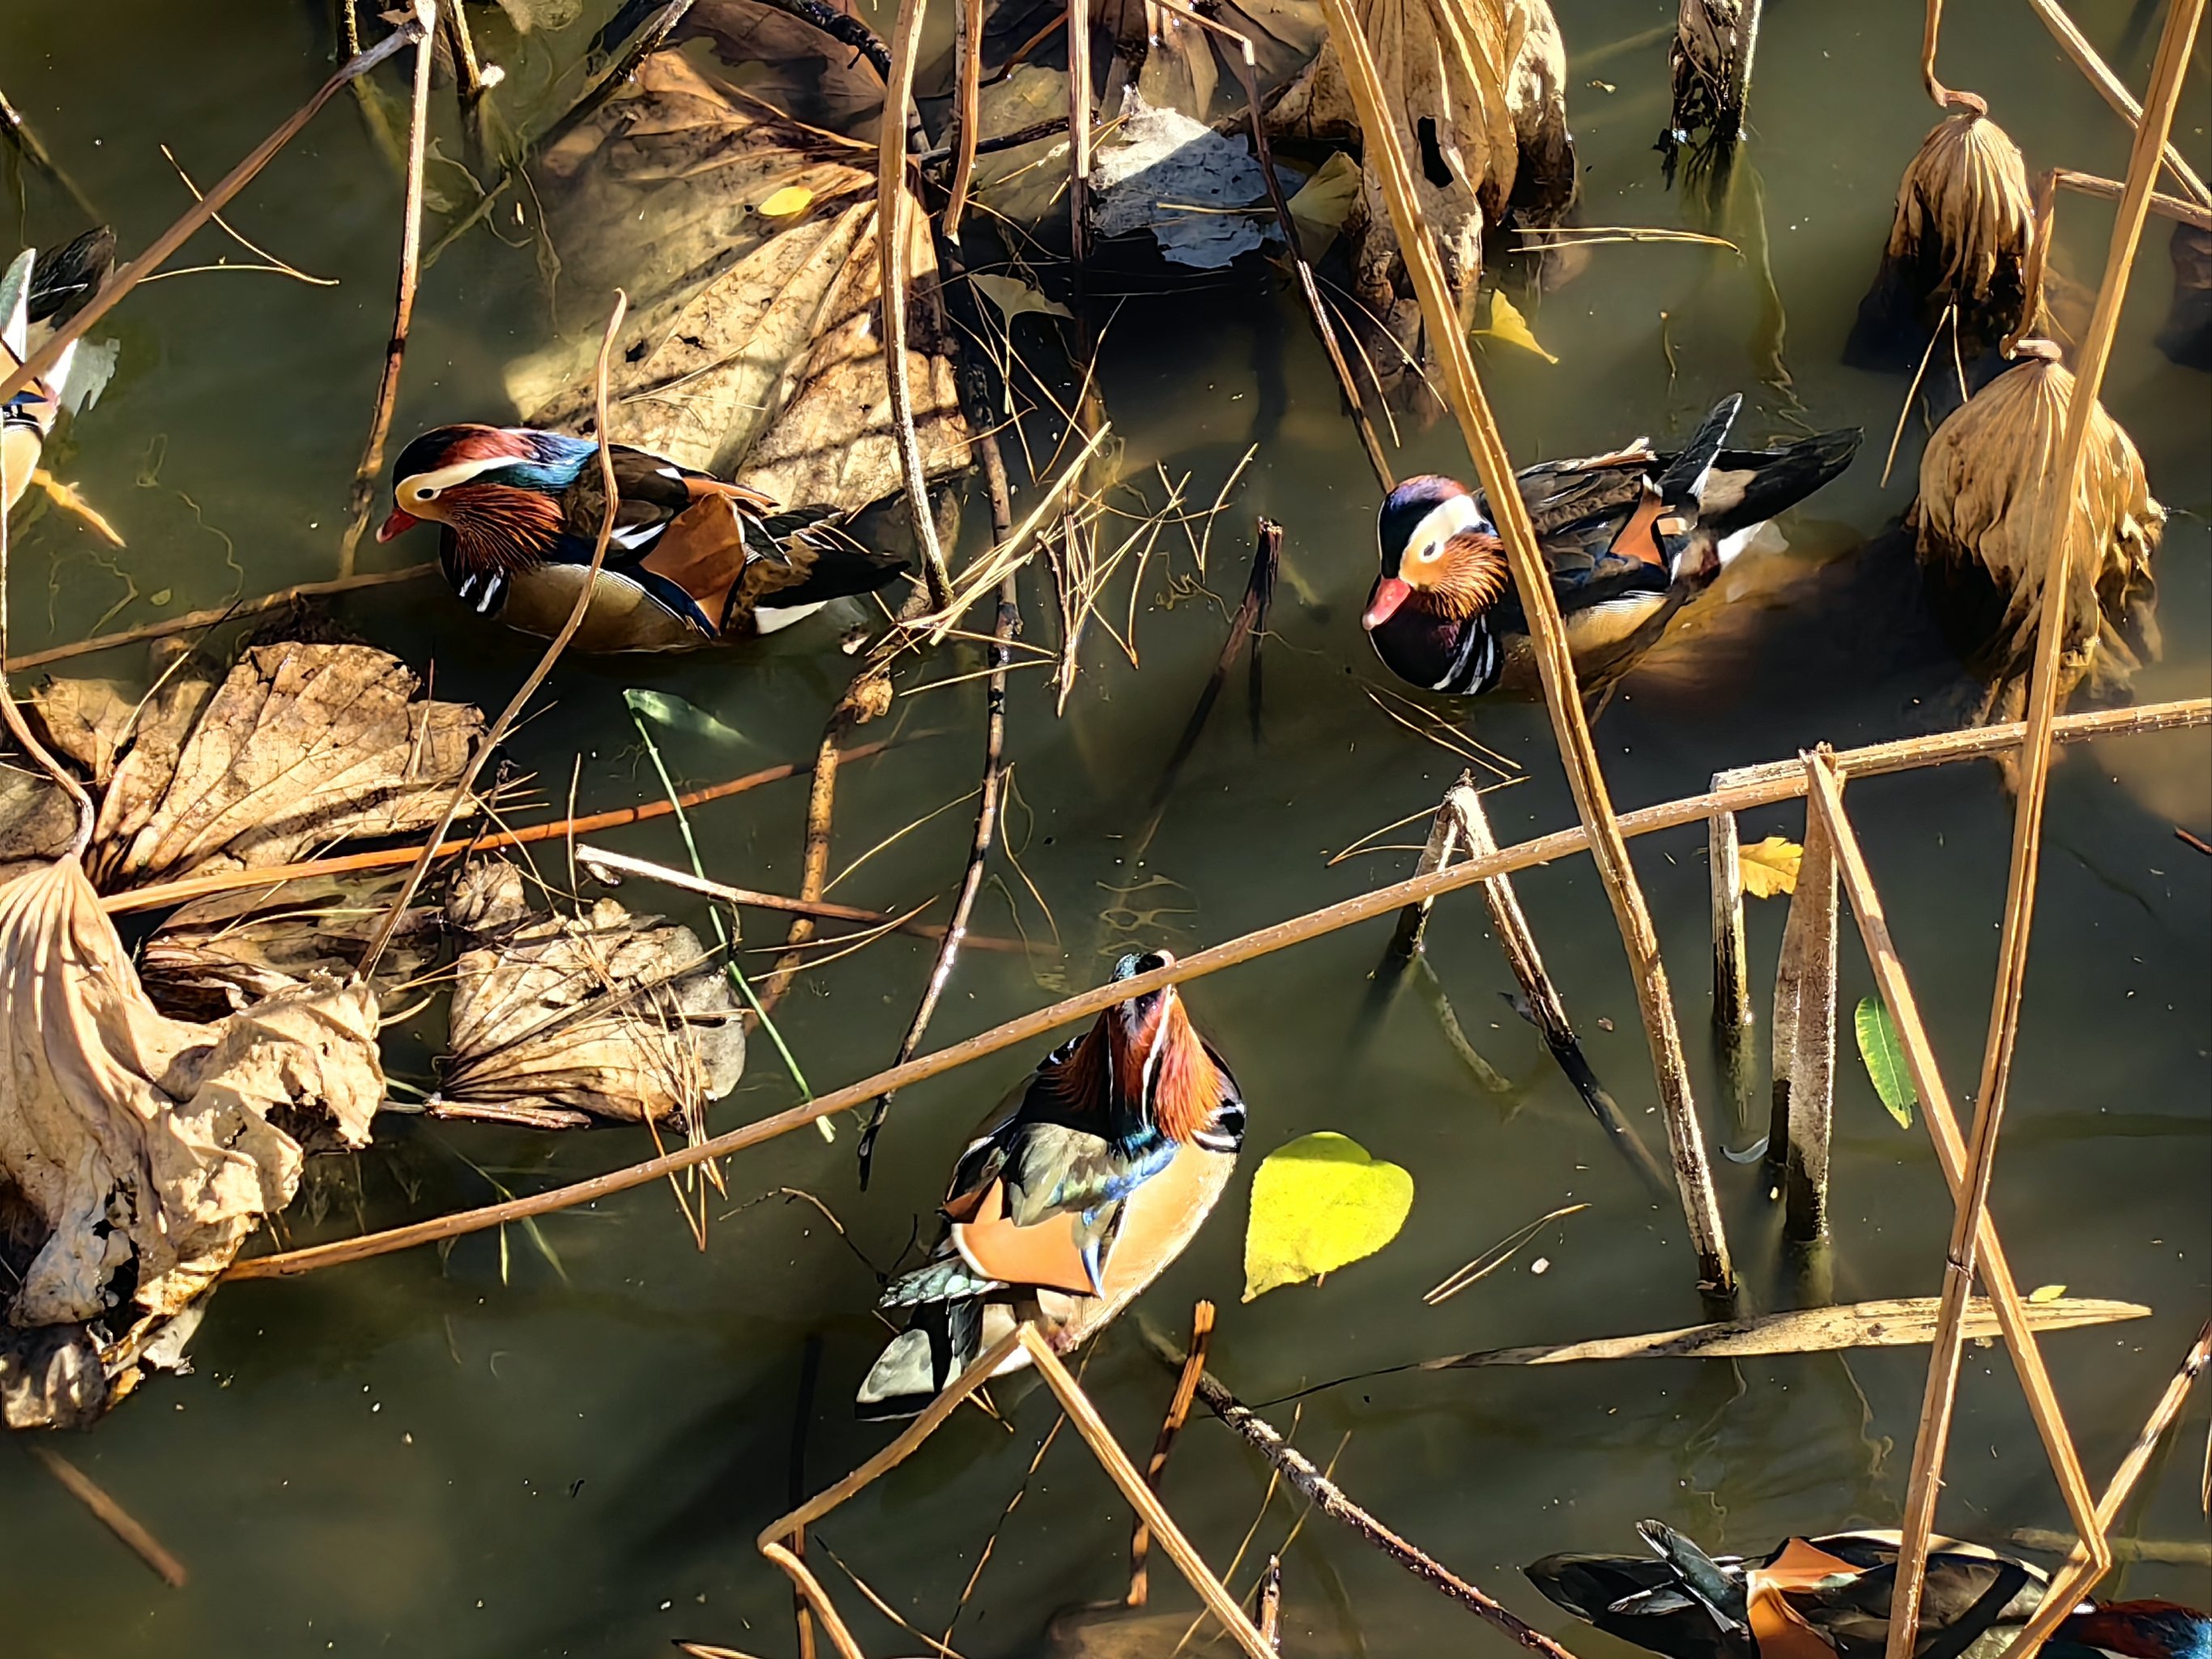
1749,487
1685,477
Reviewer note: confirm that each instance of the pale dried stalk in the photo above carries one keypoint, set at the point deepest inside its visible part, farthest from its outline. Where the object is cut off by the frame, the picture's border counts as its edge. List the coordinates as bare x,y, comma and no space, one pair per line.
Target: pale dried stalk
2057,514
1732,1012
892,206
2014,1316
1443,845
1079,139
810,1589
363,494
1123,1474
2111,190
1931,37
508,716
189,620
1779,781
2076,45
1185,1390
1805,1100
201,211
1685,1140
112,1515
966,115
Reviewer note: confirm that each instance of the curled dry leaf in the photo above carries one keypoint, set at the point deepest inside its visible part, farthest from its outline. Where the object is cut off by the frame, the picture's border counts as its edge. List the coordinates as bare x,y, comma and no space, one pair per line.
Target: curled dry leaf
625,1017
138,1152
754,344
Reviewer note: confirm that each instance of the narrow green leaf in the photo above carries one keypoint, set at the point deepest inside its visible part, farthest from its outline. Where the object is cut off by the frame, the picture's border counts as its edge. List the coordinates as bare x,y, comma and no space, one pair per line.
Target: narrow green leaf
677,715
1885,1060
1319,1203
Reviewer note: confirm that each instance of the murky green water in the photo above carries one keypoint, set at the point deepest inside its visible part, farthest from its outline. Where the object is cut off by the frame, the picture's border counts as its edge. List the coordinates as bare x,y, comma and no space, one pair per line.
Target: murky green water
475,1454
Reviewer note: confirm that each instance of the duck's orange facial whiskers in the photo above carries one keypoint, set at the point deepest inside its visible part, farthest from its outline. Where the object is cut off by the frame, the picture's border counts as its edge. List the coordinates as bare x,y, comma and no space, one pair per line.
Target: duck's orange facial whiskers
1187,1087
1459,577
499,527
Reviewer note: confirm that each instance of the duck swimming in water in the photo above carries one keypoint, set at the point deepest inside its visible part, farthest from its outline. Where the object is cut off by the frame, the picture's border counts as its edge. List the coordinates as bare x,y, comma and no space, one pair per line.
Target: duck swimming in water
1628,537
693,560
1092,1175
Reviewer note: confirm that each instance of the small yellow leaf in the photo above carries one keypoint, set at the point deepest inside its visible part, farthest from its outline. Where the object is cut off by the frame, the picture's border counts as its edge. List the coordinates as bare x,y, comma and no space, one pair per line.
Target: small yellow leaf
2046,1293
1507,323
790,200
1319,1203
1015,298
1322,202
1770,867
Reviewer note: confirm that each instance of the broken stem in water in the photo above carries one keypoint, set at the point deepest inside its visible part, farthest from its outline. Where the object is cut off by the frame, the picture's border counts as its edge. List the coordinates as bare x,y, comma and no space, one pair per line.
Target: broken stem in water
1732,1012
1805,1054
465,785
968,120
363,494
1779,781
1141,1540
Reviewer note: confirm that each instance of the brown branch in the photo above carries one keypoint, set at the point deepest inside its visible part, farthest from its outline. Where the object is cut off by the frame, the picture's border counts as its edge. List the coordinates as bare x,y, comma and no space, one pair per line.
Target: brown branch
363,496
1331,1500
1931,35
465,784
201,211
112,1515
1185,1390
1798,1135
1782,782
967,117
185,623
1532,581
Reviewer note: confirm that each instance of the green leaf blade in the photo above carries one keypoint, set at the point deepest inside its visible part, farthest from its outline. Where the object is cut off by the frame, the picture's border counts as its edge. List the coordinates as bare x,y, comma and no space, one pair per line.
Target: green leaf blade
1884,1057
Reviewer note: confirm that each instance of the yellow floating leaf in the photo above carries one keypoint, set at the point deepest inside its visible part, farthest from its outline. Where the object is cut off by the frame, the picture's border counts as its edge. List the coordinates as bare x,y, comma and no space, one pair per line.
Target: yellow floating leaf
1319,1203
1770,867
65,496
787,202
1014,297
2046,1293
1507,323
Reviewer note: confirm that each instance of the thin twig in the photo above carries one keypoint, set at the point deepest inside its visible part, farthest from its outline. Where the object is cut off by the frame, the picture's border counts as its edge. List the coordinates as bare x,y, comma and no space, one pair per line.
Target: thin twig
200,212
892,206
112,1515
1185,1390
1782,780
967,116
18,129
1332,1501
464,785
363,493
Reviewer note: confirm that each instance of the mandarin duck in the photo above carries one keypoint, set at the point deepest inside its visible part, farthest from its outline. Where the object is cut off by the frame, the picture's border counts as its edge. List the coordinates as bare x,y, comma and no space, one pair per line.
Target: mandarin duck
1091,1177
1628,537
38,294
1828,1597
692,560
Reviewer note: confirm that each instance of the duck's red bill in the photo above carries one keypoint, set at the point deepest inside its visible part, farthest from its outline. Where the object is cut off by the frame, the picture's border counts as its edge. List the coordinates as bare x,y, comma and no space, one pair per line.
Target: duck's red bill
399,524
1389,594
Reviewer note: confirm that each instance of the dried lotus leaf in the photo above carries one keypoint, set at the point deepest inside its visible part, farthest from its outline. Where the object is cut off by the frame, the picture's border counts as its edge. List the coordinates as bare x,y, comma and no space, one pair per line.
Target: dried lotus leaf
139,1152
625,1017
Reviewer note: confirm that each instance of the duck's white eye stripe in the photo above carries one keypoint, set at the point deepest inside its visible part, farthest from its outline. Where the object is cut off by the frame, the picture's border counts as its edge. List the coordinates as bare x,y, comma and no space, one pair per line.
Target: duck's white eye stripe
1444,521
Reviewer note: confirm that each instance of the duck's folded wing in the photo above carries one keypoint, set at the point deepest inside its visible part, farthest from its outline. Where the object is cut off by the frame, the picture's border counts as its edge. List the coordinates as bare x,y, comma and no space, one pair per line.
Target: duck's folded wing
1061,1251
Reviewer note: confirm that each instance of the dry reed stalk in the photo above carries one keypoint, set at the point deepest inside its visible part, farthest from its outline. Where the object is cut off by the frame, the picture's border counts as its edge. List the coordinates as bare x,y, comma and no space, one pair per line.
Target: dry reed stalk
1685,1140
1764,786
112,1515
1123,1474
1012,553
201,211
211,618
2109,190
496,734
1931,37
1078,147
362,495
1331,1500
1733,1018
892,206
1005,627
967,116
867,697
810,1591
1185,1390
2076,1578
2014,1316
2056,518
1267,1604
2076,47
1805,1094
155,894
597,858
